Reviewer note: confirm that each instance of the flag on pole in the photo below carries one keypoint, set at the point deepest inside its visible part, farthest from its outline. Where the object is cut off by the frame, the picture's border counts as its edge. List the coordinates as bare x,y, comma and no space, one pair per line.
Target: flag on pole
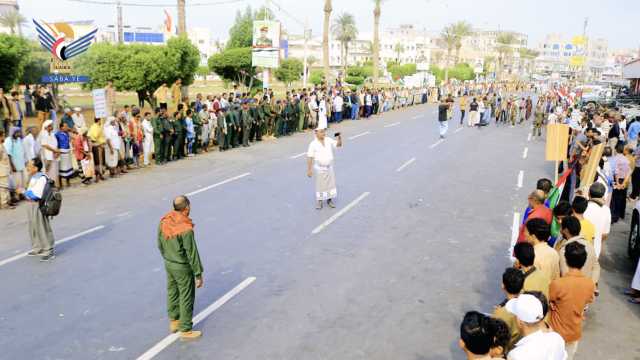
552,201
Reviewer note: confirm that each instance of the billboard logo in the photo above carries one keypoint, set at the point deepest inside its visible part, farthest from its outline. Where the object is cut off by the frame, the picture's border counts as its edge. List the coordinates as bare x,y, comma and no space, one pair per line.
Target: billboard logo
63,40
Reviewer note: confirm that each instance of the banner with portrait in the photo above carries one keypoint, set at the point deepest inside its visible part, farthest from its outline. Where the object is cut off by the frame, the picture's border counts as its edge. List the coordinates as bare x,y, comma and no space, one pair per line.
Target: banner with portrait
266,44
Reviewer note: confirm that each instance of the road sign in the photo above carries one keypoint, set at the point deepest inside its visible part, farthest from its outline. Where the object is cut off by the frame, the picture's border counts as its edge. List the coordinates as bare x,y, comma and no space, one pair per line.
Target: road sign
60,78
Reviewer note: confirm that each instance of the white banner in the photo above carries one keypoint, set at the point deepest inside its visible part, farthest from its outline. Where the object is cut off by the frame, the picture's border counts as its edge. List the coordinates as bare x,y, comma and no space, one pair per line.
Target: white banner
100,103
266,44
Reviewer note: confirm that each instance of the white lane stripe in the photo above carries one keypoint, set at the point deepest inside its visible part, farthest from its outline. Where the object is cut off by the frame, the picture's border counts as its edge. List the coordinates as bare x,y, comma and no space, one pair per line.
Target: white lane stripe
339,213
459,129
61,241
529,137
297,156
170,339
406,164
525,152
520,178
436,143
361,134
392,125
416,117
217,184
515,229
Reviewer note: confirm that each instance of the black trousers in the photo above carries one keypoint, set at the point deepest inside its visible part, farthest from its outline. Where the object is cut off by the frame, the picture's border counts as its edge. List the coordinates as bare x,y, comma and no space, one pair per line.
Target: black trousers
618,204
635,183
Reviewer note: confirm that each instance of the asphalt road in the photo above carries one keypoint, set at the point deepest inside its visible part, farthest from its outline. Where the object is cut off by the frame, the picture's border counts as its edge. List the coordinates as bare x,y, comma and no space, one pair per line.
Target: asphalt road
420,236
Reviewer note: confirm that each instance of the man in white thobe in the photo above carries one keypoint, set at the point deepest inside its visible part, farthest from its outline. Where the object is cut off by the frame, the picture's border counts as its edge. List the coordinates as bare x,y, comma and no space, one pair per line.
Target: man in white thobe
147,143
320,161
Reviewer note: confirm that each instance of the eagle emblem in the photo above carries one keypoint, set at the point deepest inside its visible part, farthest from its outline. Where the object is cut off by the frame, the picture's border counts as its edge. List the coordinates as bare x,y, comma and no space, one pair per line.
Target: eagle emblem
61,39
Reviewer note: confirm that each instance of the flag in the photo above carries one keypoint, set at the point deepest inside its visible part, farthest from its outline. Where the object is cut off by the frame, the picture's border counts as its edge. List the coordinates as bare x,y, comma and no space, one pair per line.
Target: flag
552,201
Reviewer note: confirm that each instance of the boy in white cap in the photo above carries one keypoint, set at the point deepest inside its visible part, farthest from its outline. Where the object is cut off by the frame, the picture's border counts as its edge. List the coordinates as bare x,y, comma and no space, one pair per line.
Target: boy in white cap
536,343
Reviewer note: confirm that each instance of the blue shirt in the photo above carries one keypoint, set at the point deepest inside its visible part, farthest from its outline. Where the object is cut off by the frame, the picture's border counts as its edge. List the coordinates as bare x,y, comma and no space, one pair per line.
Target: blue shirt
634,130
191,133
63,140
15,149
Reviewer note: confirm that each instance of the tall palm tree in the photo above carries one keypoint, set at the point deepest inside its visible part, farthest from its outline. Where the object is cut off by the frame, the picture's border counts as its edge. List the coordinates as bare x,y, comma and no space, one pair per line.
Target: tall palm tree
325,38
399,49
449,38
526,58
344,30
13,20
182,22
504,47
461,29
376,40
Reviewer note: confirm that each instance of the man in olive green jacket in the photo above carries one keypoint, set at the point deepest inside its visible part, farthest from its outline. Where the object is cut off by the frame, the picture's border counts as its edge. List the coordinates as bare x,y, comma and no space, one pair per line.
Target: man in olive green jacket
178,248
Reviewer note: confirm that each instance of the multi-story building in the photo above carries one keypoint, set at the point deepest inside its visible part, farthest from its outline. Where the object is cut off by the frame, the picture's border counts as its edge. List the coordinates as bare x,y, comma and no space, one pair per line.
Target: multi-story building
201,38
133,35
558,54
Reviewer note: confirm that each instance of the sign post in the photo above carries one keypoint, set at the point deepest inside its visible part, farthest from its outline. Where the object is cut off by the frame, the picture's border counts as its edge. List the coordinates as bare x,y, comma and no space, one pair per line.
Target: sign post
557,143
266,47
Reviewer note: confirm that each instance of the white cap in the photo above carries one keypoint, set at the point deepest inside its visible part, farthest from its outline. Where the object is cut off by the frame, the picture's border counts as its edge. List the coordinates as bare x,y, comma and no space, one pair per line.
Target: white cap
526,308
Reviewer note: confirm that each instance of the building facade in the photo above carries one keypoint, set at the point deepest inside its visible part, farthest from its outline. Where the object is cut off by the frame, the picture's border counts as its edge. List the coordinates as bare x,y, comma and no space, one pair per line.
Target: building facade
6,6
558,54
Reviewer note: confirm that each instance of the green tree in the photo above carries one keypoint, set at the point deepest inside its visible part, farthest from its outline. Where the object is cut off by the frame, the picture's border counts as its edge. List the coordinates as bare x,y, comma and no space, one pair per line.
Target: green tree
399,71
234,65
13,20
14,53
504,48
289,71
449,37
399,49
344,30
461,29
185,58
316,77
37,64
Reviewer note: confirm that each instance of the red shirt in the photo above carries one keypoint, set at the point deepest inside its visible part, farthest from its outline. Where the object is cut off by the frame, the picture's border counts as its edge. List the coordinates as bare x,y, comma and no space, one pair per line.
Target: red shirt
540,212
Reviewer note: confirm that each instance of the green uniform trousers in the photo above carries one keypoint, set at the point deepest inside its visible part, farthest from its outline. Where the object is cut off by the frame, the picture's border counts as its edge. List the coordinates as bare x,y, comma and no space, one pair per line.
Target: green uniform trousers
158,150
181,295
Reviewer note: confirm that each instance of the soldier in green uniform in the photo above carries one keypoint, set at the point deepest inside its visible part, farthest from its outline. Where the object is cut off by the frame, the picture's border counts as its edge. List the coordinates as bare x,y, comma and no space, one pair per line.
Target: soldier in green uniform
158,130
168,133
230,123
279,123
257,114
197,127
180,132
177,245
269,116
289,116
246,120
302,113
221,128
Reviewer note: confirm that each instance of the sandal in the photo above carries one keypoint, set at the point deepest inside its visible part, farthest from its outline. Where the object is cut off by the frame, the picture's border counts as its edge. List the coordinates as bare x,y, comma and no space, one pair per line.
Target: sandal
634,301
630,292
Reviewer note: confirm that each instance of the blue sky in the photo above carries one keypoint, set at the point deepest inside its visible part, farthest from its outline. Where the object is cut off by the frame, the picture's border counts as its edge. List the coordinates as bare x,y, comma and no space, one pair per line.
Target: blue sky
612,19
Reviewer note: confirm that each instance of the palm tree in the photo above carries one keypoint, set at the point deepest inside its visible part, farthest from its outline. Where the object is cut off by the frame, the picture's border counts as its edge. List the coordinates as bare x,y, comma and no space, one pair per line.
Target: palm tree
449,37
526,58
489,64
344,30
182,24
376,40
504,47
461,29
13,20
399,49
325,38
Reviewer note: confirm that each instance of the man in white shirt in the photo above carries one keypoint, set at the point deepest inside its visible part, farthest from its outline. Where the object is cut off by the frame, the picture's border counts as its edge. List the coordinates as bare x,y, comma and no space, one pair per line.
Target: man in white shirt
536,342
79,123
31,146
337,107
320,160
50,152
599,214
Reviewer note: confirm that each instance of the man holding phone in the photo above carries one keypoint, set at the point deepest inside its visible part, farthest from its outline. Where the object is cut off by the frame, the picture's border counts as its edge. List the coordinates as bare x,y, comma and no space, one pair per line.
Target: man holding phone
320,158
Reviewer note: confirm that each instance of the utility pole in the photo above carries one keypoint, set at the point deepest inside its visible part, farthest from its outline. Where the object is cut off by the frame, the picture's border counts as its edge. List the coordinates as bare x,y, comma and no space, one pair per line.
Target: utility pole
307,35
119,24
586,50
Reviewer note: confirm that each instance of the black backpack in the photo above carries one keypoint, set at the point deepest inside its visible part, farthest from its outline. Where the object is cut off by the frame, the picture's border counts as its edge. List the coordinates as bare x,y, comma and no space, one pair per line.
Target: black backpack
51,200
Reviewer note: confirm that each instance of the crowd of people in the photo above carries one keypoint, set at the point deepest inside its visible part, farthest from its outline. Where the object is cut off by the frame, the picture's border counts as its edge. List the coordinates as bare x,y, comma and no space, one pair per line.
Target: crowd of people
71,146
556,272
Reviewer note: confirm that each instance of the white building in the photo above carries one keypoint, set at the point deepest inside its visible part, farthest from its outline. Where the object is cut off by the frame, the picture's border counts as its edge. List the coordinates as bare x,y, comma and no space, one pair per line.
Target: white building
201,38
557,52
6,6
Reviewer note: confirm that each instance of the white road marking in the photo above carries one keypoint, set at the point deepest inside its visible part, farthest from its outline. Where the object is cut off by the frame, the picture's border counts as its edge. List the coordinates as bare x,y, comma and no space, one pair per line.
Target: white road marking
361,134
436,143
339,213
459,129
416,117
515,229
525,152
217,184
520,178
170,339
529,137
61,241
127,213
297,156
392,125
406,164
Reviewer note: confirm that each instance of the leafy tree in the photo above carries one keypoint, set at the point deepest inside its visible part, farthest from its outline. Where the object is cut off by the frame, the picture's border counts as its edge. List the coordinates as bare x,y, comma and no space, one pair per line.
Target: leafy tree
344,30
400,71
204,72
365,71
504,47
316,77
354,80
241,32
36,66
185,57
13,20
289,71
14,52
234,65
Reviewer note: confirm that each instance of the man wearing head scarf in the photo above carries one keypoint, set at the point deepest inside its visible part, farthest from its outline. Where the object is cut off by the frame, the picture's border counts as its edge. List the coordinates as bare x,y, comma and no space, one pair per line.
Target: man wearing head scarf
177,245
320,158
78,120
49,150
15,150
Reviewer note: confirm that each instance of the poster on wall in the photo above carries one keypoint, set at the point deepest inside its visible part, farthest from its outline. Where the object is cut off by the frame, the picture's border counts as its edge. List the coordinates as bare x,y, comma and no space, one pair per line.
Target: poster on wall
266,44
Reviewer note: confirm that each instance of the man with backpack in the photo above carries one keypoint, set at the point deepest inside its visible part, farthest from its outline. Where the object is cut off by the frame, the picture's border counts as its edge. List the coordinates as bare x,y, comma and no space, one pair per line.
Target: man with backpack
44,202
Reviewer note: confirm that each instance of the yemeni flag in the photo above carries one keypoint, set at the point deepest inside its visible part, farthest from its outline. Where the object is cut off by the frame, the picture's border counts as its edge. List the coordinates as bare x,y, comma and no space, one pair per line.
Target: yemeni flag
554,198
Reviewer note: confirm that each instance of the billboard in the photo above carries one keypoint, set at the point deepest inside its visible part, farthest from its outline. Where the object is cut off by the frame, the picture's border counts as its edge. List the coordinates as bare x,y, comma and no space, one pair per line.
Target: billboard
266,44
64,41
